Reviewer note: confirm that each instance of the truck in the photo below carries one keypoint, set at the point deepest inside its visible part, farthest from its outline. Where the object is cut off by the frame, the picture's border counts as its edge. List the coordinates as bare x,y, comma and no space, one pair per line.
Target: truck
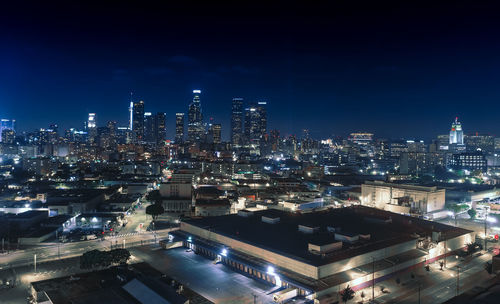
283,295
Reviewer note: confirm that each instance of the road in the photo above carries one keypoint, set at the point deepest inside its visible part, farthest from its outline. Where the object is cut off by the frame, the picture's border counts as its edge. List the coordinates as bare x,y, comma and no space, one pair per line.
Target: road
63,250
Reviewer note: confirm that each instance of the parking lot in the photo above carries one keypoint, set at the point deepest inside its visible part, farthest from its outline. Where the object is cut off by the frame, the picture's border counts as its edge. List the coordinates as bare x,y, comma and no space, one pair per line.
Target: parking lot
218,283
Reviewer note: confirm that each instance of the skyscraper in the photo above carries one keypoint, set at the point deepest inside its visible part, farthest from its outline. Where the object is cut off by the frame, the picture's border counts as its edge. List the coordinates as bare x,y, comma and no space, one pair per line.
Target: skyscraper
237,121
92,128
179,127
196,129
138,121
456,133
215,134
149,128
255,123
7,124
160,127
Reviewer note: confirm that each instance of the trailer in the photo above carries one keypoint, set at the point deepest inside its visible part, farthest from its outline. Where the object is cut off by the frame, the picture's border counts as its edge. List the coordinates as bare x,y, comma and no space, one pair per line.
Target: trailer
283,295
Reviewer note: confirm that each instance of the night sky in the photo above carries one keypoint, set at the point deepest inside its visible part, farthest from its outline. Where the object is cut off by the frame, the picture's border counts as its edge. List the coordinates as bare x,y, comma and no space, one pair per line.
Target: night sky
395,70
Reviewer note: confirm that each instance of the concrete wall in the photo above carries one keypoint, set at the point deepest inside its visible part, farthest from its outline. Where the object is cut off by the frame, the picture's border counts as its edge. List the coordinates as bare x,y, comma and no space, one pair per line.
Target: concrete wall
273,258
366,258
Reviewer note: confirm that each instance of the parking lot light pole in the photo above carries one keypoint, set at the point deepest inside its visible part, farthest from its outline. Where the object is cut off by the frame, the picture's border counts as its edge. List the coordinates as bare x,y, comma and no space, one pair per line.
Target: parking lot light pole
486,220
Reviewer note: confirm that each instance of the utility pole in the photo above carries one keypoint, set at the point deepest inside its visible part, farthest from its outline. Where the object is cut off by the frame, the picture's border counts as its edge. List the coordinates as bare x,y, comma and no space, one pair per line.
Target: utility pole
373,278
485,236
458,279
34,261
419,293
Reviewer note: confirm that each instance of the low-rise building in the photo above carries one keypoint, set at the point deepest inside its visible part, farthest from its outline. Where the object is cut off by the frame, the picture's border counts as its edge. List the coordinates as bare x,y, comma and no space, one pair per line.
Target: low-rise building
402,198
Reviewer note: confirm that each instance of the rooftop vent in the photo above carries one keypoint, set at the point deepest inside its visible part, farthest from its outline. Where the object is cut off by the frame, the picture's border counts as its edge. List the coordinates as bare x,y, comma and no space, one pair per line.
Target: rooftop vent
270,219
325,248
245,213
308,228
347,237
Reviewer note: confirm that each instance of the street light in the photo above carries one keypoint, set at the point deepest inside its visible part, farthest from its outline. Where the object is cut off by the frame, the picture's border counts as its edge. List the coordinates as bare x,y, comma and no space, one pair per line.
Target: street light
486,220
451,213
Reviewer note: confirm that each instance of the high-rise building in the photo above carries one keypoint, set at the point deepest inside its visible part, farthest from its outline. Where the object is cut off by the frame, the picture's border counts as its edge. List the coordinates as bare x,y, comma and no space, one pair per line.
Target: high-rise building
196,129
480,142
7,124
160,127
237,121
261,108
92,128
216,133
456,133
179,127
149,128
8,136
138,121
255,123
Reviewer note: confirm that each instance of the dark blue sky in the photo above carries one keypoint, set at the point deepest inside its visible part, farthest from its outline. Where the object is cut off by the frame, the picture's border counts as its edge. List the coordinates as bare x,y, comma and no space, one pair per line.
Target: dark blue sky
395,70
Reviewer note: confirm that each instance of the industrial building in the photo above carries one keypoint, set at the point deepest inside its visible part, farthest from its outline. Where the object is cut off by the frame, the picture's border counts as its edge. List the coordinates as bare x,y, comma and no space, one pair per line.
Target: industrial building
403,198
320,253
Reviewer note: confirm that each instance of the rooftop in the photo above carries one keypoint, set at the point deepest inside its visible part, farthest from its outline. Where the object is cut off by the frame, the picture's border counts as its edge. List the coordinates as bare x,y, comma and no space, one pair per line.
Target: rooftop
385,229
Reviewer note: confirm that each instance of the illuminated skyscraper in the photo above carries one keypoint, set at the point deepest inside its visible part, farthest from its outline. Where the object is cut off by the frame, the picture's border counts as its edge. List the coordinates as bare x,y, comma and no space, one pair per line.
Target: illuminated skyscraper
7,124
92,128
179,128
138,121
255,123
215,134
237,121
456,133
149,128
160,127
196,129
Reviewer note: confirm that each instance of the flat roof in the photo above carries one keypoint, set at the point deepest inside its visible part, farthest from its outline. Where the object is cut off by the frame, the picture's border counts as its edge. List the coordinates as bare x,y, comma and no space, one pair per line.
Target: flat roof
385,229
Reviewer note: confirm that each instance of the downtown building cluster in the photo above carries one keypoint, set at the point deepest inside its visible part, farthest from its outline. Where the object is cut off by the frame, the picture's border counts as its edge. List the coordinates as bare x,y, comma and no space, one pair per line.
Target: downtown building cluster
313,215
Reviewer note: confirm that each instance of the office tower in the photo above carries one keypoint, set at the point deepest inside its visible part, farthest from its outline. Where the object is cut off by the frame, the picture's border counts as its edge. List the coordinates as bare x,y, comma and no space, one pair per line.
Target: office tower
92,128
8,136
443,142
216,133
7,124
179,128
237,121
456,133
255,123
275,140
196,129
149,128
138,121
479,142
160,127
261,108
131,116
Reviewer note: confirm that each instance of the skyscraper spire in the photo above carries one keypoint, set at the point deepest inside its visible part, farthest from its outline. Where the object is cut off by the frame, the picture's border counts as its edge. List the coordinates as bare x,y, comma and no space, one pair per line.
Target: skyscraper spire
131,112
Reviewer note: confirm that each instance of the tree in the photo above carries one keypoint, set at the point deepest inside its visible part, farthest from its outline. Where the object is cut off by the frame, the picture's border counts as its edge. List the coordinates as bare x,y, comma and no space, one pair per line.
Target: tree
154,196
119,256
347,294
472,213
97,258
154,210
362,295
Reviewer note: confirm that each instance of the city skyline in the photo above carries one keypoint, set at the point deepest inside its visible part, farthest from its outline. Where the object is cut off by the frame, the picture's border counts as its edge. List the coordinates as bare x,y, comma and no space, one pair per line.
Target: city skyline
424,73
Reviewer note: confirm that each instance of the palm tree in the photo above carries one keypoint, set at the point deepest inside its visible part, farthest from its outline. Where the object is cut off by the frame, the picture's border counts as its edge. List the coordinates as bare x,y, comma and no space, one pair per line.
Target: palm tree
347,294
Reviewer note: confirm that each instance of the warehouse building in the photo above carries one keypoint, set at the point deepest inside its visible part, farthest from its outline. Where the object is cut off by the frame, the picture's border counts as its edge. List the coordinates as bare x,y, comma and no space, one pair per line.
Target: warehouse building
320,253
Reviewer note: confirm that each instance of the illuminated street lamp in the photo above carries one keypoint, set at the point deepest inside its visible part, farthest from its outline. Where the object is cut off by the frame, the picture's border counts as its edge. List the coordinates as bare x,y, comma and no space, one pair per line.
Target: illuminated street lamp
486,220
451,213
